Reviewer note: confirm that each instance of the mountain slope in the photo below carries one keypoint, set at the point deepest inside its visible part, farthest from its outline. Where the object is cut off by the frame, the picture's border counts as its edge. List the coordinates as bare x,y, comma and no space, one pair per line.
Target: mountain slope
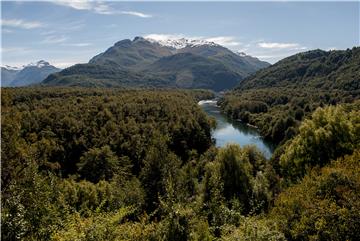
145,62
235,62
93,75
193,71
338,69
127,53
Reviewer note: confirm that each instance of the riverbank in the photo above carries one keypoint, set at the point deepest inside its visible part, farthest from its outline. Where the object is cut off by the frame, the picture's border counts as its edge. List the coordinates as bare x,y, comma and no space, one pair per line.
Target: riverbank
232,131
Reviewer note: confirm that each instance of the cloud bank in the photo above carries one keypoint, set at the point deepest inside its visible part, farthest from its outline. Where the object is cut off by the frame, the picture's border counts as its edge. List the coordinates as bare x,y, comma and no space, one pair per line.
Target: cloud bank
274,45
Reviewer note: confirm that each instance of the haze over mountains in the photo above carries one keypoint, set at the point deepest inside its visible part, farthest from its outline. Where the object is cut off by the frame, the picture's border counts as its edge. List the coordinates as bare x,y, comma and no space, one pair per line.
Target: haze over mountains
145,62
30,74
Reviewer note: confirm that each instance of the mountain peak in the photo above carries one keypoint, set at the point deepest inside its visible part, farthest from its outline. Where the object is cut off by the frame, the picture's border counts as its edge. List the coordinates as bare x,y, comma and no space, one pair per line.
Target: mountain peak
138,38
178,42
39,64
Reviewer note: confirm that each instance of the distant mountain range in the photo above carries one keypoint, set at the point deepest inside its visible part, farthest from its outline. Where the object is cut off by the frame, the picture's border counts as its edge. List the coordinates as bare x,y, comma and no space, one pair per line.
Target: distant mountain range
27,75
141,62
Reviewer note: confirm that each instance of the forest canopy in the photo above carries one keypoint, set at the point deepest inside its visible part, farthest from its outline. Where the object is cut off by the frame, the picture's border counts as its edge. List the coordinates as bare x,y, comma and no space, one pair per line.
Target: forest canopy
115,164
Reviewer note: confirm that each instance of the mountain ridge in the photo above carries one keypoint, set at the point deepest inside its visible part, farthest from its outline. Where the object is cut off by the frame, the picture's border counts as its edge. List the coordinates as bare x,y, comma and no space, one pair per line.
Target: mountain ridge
136,63
315,68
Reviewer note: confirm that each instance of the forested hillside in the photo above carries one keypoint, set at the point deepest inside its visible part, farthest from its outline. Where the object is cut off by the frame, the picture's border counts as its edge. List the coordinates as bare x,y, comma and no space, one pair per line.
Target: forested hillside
113,164
276,99
336,69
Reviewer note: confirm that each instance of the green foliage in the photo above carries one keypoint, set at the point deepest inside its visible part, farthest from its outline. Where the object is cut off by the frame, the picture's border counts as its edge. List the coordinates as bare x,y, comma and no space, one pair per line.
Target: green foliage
101,164
98,164
85,151
96,227
312,69
283,108
330,133
324,205
238,179
251,228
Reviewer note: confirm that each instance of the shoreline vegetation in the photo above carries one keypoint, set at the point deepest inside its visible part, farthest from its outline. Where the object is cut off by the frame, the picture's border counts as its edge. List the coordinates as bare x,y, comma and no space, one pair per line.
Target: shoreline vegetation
117,164
278,98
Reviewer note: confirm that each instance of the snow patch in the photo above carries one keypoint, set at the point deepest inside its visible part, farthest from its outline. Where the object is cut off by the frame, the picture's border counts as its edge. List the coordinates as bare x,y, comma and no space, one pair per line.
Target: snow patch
242,54
39,64
177,42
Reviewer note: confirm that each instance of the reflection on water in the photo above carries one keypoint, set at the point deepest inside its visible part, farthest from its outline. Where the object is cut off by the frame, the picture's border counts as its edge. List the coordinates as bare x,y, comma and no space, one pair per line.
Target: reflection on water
229,131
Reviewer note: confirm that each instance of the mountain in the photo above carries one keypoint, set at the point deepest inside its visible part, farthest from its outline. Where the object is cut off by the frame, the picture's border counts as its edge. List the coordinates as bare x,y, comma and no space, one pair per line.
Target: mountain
30,74
95,75
233,61
193,71
181,63
136,53
8,74
336,69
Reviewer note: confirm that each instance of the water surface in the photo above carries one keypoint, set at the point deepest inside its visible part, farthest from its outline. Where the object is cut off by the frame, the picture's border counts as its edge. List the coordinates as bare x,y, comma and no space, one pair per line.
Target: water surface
229,131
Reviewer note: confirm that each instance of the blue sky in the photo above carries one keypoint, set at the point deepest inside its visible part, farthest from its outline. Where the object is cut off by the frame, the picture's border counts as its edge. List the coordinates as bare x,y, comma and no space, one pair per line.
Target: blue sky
69,32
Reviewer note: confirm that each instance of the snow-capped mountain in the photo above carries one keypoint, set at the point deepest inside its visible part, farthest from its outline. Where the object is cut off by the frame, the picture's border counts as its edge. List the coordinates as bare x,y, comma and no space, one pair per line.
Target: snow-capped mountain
39,64
161,61
180,43
32,73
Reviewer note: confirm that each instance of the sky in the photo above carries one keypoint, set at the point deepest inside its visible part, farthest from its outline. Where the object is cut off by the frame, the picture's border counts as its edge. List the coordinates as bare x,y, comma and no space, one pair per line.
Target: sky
69,32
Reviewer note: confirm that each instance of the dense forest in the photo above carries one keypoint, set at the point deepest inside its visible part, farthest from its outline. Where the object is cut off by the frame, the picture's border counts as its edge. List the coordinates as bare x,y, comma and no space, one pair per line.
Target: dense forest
276,99
115,164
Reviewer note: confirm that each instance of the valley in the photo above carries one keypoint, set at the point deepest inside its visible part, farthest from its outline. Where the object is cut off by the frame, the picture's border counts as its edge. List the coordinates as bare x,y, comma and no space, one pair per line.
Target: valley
110,150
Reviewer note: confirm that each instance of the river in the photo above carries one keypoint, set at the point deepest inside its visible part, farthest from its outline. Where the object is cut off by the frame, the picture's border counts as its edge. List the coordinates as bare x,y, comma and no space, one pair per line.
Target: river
230,131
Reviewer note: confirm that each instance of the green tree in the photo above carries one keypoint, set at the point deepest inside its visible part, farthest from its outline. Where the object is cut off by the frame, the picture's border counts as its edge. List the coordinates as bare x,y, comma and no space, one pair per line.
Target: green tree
330,133
99,164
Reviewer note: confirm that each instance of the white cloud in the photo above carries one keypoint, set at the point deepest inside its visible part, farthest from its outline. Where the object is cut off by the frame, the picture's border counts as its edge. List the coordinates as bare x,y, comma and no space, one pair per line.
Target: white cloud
98,7
224,40
63,65
76,4
162,37
268,45
331,48
54,39
271,57
137,14
20,23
